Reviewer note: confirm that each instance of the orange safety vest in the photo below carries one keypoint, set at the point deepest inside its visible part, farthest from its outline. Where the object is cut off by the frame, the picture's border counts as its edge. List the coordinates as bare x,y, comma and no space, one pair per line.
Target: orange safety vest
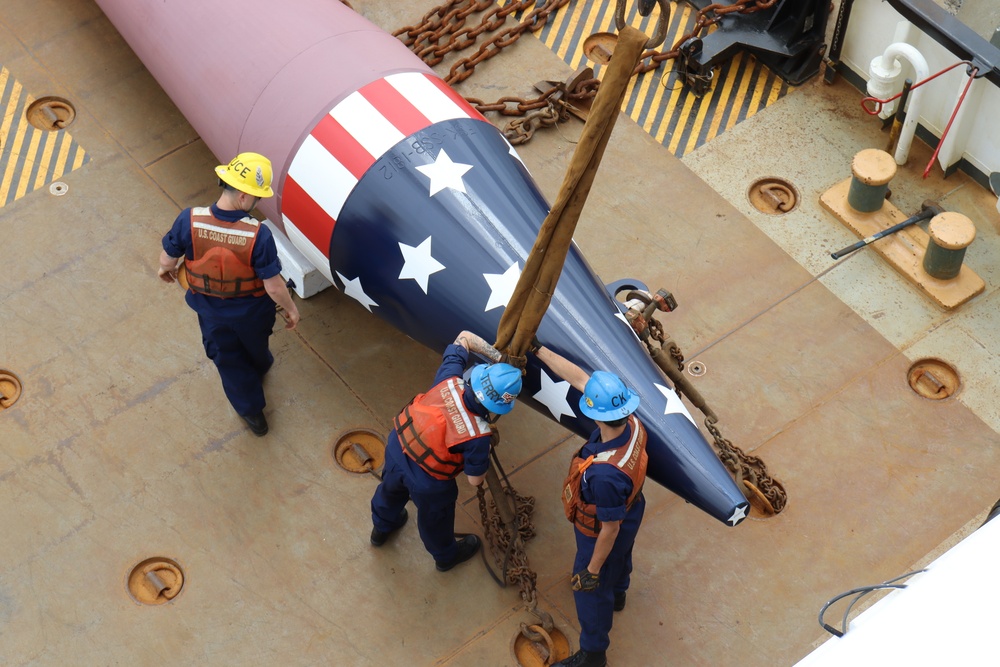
221,265
631,459
435,422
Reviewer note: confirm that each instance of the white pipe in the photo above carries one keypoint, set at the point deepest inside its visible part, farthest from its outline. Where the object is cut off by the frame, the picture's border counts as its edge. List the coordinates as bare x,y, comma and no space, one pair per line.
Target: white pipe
886,69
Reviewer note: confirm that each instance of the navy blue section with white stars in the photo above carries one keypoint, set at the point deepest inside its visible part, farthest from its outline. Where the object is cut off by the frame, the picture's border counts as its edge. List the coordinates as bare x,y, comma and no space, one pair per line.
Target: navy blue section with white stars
433,239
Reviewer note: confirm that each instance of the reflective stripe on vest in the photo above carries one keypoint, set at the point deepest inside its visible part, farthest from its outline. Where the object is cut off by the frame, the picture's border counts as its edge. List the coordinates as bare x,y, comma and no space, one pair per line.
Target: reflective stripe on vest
222,252
630,459
435,422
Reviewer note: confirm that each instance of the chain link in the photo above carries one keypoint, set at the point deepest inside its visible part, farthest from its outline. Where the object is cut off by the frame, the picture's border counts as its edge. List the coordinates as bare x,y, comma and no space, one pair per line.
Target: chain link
507,549
743,466
444,30
706,17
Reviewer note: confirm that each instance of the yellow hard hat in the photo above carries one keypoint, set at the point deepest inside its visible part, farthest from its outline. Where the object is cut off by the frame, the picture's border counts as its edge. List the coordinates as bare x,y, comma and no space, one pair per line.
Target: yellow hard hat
249,173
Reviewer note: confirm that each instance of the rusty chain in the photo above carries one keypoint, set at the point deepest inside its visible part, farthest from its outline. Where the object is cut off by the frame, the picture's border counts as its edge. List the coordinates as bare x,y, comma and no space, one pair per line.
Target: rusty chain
506,549
444,30
706,17
744,467
520,130
448,20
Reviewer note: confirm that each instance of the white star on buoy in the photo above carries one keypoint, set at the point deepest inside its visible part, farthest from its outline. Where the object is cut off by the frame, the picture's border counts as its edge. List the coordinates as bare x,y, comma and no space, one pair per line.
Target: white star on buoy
353,289
674,404
444,173
553,396
502,286
418,264
738,514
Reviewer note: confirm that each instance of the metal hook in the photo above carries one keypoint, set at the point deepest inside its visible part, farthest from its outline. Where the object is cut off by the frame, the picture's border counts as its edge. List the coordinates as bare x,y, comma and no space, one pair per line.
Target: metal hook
645,8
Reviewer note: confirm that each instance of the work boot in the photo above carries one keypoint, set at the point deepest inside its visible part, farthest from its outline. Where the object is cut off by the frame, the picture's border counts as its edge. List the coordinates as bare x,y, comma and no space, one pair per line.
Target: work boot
257,423
378,537
619,600
584,659
467,548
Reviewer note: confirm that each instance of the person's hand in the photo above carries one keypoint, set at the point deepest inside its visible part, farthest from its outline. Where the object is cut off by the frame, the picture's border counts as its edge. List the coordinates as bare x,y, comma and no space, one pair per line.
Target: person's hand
292,318
585,581
167,275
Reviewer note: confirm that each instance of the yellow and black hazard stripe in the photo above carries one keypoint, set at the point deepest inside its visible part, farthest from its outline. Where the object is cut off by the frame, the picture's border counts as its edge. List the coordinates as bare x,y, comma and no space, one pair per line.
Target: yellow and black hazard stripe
30,158
656,100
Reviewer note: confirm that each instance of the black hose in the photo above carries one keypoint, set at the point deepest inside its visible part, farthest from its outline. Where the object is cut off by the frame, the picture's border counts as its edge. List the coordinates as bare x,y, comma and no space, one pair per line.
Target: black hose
860,593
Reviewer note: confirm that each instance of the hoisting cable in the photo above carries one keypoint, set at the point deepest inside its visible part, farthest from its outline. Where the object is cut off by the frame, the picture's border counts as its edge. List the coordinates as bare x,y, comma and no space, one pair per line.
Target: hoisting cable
537,283
531,298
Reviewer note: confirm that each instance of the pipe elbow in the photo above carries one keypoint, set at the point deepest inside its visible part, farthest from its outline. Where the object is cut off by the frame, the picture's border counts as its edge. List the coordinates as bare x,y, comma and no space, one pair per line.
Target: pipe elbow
908,52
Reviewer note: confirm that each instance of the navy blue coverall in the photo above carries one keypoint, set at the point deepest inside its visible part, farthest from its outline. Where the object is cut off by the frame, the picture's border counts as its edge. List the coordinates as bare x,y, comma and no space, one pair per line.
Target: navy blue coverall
403,479
608,488
234,331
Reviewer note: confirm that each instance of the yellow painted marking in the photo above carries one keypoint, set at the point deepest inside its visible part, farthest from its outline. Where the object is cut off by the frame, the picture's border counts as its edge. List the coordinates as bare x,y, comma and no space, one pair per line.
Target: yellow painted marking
28,154
720,110
675,140
674,96
15,151
44,161
695,131
556,21
741,92
775,92
595,23
758,92
680,109
79,161
63,154
9,111
29,162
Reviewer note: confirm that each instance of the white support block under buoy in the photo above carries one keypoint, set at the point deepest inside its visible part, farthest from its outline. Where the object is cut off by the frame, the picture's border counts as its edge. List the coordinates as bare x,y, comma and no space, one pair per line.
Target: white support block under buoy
295,267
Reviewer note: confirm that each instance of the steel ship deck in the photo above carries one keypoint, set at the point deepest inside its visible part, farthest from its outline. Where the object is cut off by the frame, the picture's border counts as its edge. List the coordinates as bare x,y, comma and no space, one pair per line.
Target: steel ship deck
122,447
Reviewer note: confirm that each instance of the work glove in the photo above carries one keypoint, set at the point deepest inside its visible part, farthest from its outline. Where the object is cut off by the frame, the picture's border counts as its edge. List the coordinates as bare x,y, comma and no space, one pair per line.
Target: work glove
519,363
535,345
584,581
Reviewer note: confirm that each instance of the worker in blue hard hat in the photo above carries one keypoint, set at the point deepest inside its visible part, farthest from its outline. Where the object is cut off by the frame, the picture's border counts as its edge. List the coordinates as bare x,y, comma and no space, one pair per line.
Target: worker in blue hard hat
437,436
602,497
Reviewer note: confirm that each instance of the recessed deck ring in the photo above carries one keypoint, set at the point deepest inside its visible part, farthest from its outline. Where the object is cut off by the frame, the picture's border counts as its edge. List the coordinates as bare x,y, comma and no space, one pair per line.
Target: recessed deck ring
10,389
933,378
155,581
51,113
772,195
359,450
598,47
548,647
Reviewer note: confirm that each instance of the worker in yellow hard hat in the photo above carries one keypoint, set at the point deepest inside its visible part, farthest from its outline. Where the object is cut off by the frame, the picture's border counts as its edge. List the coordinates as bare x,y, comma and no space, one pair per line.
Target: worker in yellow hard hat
233,280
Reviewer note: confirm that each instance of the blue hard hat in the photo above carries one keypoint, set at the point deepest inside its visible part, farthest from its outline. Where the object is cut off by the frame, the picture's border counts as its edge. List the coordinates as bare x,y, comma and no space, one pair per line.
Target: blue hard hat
496,386
606,398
